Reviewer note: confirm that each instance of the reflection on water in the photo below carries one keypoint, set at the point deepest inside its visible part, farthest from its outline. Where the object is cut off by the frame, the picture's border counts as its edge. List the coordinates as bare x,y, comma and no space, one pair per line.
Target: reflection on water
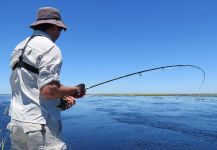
141,123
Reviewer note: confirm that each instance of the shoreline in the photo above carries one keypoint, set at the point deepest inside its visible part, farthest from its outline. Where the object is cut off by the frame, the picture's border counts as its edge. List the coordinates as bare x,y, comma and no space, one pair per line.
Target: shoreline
149,94
158,94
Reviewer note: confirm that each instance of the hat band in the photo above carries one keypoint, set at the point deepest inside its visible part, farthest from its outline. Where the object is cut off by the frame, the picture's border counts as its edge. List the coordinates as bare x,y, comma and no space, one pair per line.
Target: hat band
50,18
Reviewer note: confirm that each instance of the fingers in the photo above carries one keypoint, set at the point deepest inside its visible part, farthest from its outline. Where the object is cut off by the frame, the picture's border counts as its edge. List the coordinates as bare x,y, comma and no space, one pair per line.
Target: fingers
70,101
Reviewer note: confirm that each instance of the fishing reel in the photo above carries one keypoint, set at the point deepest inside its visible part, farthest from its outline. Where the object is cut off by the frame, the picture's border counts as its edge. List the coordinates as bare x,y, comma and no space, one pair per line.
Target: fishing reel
63,105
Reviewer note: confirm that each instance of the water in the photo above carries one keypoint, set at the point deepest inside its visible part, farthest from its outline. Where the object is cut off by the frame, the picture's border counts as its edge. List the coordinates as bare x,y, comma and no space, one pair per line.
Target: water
4,119
138,123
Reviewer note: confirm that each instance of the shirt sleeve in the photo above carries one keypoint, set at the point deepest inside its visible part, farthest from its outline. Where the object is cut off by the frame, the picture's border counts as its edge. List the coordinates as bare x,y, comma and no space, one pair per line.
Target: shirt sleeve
49,66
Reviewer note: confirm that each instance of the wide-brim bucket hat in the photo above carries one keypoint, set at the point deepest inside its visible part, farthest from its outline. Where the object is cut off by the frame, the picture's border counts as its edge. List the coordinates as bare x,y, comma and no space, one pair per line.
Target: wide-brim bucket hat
48,15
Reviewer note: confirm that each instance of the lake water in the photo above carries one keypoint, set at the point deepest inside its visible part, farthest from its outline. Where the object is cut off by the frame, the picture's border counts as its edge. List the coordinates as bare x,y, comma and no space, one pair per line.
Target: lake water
136,123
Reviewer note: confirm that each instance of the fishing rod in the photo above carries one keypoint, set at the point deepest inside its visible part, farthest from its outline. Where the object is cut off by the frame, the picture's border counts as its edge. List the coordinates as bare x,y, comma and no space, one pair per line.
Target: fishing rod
148,70
64,104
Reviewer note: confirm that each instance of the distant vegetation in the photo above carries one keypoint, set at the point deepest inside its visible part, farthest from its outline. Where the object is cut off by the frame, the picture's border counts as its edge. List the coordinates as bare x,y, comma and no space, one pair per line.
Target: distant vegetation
158,94
152,94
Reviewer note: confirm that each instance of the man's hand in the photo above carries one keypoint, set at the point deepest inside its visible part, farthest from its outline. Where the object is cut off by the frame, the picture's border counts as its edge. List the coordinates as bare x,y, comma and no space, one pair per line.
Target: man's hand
80,91
66,102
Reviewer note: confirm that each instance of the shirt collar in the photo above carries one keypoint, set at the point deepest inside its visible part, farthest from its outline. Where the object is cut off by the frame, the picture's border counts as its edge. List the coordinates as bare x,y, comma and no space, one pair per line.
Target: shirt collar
38,32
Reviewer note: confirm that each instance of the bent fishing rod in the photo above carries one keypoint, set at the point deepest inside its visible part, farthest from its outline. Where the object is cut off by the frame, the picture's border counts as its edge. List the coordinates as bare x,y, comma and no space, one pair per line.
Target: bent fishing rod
148,70
64,104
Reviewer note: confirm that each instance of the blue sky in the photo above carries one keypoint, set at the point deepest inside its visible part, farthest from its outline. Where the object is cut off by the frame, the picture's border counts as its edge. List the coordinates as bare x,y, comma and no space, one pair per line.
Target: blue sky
110,38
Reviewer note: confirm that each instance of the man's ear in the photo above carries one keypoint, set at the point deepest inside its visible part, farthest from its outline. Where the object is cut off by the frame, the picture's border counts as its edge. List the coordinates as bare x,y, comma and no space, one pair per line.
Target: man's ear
50,29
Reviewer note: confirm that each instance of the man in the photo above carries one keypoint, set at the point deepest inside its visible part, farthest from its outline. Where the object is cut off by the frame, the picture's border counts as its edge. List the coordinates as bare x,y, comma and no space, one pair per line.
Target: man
36,90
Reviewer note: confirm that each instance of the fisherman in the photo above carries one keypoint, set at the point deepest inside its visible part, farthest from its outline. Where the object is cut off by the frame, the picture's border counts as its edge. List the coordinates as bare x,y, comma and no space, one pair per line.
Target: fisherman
37,94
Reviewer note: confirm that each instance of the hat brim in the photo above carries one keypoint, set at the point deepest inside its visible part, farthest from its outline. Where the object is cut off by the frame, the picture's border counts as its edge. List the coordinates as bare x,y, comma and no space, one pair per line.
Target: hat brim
58,23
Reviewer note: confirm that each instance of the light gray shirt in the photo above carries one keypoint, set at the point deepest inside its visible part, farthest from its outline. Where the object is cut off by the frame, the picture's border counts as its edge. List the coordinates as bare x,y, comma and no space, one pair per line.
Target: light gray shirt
27,105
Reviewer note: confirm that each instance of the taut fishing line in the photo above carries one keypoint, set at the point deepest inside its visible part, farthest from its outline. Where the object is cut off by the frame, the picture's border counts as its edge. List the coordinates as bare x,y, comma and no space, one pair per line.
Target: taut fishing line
121,83
149,70
117,84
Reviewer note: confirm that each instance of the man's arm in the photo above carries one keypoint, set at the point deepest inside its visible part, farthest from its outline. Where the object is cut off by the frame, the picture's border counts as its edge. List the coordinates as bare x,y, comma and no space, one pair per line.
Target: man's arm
55,90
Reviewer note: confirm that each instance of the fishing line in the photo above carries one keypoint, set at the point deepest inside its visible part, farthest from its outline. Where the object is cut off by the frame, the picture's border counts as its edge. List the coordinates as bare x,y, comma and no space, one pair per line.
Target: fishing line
122,83
149,70
117,85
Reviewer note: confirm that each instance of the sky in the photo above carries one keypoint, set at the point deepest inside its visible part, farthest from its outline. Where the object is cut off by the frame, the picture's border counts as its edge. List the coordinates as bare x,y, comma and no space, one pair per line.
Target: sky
110,38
